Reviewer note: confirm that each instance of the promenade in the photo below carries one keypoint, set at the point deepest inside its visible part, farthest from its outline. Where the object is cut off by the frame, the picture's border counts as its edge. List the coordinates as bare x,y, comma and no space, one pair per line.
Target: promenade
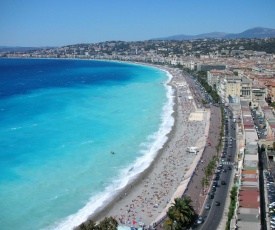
195,174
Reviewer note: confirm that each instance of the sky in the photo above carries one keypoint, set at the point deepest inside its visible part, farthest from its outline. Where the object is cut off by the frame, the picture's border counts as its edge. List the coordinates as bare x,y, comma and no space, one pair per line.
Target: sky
36,23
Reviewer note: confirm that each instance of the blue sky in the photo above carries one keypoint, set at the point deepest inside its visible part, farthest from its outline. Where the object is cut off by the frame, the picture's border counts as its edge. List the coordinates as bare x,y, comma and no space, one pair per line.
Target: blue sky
64,22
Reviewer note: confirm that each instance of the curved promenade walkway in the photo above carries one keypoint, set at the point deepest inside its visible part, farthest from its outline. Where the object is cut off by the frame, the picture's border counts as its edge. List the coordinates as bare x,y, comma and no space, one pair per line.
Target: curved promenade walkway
192,186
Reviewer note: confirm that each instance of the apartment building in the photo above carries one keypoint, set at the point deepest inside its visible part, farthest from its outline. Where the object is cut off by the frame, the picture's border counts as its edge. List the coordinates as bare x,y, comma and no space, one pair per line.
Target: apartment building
270,89
258,93
209,66
246,88
227,85
233,85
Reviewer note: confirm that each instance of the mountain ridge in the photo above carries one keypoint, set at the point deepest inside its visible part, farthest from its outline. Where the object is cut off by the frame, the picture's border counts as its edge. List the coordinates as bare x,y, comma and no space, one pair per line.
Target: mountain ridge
256,32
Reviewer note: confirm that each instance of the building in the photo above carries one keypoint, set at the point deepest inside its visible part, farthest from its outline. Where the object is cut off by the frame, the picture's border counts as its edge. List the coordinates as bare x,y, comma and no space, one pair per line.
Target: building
208,67
246,89
258,93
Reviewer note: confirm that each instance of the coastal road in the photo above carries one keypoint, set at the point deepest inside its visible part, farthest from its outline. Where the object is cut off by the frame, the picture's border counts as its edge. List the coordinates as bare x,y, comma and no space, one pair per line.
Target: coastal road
195,190
213,216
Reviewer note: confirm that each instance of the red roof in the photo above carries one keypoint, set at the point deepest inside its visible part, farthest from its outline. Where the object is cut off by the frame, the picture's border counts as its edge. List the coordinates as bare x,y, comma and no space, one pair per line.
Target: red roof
249,197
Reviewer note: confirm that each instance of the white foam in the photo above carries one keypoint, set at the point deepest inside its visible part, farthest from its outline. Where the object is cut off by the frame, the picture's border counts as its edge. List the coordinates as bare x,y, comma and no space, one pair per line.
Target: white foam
86,142
127,175
15,128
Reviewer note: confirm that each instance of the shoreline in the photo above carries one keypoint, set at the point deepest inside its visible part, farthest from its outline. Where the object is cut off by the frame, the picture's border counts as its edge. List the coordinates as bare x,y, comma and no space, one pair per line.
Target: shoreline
130,193
105,209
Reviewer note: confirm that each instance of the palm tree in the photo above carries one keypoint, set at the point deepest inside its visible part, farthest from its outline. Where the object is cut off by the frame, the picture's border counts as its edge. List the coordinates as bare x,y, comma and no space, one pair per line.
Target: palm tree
181,214
108,223
90,225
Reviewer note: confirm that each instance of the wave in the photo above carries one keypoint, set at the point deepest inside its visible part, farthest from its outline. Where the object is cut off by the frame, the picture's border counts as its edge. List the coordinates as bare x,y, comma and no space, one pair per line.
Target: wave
15,128
86,142
129,174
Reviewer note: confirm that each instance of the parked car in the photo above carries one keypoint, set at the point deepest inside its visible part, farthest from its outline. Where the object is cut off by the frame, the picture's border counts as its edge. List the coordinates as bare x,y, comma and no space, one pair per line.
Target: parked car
200,220
207,207
217,177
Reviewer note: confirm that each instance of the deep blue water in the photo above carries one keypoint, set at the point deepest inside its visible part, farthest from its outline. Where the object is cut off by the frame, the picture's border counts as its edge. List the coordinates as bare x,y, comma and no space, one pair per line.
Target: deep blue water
59,120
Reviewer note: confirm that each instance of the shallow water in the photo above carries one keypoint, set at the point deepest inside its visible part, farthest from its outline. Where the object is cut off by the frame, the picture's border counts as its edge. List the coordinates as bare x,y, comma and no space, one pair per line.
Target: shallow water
60,120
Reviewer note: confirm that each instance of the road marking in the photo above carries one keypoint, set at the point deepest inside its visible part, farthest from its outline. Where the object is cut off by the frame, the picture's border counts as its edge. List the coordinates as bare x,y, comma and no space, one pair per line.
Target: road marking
227,163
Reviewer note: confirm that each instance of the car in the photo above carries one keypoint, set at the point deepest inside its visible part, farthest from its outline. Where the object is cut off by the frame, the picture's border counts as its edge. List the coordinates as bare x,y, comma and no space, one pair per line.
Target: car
211,197
215,184
200,220
223,182
213,189
217,203
229,167
207,206
224,170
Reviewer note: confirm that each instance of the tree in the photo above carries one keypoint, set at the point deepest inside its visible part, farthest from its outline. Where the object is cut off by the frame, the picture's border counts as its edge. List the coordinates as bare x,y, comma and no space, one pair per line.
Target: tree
272,104
181,214
215,158
108,223
90,225
208,172
204,182
204,102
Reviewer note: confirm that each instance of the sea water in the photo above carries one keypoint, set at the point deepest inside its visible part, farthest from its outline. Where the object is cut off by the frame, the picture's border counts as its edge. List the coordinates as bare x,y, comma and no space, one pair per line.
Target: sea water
60,121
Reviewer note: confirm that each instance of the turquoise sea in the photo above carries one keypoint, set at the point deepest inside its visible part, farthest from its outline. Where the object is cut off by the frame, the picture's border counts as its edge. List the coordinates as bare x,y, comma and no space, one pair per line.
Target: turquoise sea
59,122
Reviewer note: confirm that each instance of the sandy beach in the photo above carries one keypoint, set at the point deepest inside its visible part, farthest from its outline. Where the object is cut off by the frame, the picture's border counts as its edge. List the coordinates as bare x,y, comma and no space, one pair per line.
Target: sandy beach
147,199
